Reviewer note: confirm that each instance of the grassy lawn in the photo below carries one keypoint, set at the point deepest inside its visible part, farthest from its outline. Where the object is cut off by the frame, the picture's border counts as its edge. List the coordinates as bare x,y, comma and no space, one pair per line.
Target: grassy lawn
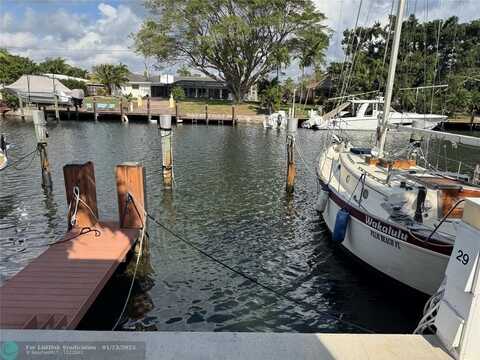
217,107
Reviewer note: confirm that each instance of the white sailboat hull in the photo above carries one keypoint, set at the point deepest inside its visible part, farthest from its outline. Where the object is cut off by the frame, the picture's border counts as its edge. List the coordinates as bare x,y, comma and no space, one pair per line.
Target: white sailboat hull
411,265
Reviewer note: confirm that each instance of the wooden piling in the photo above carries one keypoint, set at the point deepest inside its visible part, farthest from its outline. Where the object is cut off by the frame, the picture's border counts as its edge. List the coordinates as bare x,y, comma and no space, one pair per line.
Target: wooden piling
233,115
95,114
76,112
148,110
68,112
167,156
20,104
206,113
121,109
131,195
176,112
81,178
291,169
57,112
41,135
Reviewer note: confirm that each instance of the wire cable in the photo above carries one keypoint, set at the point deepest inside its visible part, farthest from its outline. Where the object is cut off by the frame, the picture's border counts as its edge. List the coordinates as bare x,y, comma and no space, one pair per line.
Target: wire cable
19,160
256,282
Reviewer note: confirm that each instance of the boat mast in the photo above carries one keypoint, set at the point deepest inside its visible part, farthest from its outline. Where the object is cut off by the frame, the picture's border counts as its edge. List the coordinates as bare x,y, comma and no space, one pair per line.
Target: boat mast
383,121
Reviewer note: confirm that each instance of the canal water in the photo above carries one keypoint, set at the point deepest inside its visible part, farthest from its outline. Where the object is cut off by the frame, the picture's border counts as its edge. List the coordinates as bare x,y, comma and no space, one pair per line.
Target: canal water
228,199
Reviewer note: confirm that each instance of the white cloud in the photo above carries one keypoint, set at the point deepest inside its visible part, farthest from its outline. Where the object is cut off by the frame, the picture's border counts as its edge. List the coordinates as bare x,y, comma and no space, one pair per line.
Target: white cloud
82,41
86,41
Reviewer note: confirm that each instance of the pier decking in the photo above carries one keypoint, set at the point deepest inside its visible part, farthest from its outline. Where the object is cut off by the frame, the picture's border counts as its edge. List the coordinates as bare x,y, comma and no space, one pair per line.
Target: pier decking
56,289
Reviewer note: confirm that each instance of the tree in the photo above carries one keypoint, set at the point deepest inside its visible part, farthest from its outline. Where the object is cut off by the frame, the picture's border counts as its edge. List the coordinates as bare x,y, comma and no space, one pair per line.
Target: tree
12,67
74,84
238,42
111,76
59,66
178,93
184,71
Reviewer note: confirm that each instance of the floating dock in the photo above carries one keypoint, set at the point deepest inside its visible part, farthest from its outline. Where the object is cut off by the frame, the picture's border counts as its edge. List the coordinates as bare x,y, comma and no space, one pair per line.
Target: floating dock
57,288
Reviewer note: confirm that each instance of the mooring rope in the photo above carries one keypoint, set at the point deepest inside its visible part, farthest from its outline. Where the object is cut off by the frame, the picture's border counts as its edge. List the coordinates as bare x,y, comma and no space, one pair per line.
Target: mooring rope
251,279
21,159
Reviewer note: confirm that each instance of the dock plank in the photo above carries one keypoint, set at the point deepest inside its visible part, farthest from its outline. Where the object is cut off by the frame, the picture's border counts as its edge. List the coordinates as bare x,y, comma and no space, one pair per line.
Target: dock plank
65,280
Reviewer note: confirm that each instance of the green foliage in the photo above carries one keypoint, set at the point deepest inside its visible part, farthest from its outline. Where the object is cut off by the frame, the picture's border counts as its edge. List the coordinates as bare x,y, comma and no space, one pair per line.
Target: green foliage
111,76
12,67
74,84
457,64
59,66
271,95
239,42
178,93
10,99
184,71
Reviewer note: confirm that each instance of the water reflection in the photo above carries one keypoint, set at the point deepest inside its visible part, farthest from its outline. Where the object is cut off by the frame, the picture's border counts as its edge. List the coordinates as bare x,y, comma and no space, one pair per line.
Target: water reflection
229,198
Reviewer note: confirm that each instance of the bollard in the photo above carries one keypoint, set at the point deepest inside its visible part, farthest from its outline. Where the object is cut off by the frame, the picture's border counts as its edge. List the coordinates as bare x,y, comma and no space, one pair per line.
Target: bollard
130,177
291,170
167,154
41,134
85,211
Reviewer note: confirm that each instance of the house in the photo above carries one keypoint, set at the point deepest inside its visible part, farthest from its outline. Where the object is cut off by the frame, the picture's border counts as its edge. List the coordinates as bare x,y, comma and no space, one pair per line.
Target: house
193,86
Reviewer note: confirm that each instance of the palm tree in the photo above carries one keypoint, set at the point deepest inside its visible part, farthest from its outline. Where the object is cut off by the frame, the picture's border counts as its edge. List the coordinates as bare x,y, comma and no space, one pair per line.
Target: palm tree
112,76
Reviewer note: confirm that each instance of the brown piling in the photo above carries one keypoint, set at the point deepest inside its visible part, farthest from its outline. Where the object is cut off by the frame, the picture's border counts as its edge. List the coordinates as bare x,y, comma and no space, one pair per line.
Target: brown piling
206,113
148,109
95,114
233,115
167,155
121,109
131,195
81,178
41,135
291,169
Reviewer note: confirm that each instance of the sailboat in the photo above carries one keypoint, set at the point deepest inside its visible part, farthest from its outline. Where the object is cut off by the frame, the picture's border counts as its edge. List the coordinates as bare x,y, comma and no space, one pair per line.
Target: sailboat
385,208
3,152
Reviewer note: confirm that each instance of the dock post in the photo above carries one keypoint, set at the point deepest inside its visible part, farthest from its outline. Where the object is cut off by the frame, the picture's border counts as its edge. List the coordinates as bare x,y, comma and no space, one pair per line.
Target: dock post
76,112
57,112
20,104
81,194
121,109
206,113
148,110
167,155
130,177
68,112
95,114
41,135
176,112
233,115
291,170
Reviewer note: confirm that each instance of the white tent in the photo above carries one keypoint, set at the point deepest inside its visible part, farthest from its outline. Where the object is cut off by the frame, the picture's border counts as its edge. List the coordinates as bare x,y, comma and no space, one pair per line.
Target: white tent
40,89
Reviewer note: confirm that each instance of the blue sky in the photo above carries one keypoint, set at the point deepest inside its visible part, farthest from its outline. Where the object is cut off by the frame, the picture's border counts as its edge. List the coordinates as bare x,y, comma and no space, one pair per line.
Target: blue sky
89,32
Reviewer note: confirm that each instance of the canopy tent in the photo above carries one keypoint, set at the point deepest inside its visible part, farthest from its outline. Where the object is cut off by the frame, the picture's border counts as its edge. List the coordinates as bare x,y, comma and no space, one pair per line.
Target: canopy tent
40,89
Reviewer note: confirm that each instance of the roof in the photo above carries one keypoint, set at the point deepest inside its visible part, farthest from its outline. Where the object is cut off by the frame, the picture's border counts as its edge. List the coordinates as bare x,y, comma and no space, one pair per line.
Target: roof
137,78
37,84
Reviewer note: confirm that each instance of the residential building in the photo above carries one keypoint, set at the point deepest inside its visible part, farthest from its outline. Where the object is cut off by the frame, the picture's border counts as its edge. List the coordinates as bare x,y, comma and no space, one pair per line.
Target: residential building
193,86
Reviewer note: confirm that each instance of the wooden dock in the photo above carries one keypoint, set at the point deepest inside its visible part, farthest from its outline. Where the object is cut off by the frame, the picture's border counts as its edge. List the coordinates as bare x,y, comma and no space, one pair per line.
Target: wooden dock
57,288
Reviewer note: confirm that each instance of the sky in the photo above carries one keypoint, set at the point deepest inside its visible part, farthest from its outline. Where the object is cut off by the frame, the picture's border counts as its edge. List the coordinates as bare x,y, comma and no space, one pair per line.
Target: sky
89,32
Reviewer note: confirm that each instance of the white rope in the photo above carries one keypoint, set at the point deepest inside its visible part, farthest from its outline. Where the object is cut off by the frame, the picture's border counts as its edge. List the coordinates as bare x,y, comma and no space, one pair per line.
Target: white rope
430,310
142,237
77,200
